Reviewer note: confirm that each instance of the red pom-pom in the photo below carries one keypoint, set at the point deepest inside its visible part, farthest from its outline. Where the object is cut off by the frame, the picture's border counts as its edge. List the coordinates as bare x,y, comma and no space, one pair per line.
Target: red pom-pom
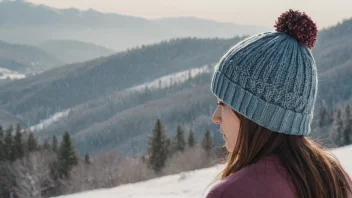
298,25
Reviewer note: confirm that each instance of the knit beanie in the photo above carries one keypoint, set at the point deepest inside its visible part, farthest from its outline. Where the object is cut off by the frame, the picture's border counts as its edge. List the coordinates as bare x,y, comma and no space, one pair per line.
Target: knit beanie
271,78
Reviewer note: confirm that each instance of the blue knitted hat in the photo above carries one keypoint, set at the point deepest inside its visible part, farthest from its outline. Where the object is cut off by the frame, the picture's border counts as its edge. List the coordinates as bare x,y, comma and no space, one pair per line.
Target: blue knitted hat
271,78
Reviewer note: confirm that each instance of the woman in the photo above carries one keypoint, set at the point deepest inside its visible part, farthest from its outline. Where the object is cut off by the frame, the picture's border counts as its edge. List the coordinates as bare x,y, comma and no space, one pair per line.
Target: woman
266,88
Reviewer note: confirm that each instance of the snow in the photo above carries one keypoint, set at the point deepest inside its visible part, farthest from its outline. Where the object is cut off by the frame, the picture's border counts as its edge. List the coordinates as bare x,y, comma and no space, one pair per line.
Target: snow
193,184
54,118
172,79
6,73
344,155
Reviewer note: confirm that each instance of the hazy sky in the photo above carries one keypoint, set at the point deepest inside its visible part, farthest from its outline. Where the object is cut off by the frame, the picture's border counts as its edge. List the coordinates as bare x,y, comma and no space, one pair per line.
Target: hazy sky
260,12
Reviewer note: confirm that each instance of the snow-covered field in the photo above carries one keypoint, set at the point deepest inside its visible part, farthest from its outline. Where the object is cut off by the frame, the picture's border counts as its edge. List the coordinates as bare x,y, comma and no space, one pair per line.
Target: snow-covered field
191,184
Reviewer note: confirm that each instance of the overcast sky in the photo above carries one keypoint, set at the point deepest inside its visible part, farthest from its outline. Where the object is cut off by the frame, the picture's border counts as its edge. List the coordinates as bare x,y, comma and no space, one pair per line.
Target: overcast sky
259,12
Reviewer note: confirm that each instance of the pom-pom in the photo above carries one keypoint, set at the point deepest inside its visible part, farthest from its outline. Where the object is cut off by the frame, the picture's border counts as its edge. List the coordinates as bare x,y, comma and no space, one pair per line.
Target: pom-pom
298,25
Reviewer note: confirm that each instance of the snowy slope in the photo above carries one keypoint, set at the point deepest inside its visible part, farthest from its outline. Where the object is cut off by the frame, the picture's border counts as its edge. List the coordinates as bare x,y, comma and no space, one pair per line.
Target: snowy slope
172,79
344,155
192,184
47,122
8,74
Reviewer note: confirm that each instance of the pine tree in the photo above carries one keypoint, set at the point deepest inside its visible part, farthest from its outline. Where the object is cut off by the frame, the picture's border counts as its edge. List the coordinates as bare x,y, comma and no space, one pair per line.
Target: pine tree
191,140
87,159
18,128
323,117
46,145
157,148
347,125
180,140
32,143
54,144
331,114
18,145
337,128
170,145
207,142
67,157
8,145
2,154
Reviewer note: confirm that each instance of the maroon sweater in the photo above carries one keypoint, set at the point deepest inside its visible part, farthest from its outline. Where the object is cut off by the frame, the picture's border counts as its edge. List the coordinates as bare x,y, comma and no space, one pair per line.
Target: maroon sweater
266,178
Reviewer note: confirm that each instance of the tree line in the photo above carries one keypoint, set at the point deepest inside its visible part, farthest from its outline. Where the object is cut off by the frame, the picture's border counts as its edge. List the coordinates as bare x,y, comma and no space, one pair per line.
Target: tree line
52,168
339,123
161,148
30,169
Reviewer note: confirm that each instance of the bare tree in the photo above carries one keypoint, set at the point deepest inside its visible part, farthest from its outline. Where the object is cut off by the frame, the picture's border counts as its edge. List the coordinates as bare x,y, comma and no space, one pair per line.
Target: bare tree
133,170
190,159
108,165
83,178
32,174
6,179
107,170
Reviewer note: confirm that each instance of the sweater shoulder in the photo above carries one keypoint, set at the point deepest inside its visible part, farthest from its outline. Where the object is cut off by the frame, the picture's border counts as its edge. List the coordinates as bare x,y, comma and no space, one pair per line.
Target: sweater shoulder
241,185
266,179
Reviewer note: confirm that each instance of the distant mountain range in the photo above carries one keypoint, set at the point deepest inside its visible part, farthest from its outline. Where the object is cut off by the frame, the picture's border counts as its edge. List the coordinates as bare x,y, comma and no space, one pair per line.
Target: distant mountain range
72,51
118,32
19,61
26,59
333,55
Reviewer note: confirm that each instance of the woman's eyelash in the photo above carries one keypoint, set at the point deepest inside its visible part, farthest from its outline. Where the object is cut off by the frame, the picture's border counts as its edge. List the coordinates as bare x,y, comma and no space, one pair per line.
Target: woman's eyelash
221,103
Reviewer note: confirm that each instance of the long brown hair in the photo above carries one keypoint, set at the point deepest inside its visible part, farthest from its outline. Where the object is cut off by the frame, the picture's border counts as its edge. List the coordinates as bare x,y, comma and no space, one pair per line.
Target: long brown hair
313,171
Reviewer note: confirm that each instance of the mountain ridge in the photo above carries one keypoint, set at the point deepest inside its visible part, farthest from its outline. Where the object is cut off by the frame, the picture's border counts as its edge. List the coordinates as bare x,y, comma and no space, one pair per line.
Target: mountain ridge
42,23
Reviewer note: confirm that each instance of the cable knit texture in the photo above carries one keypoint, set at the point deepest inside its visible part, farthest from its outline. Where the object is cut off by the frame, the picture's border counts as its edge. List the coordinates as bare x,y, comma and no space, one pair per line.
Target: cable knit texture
269,78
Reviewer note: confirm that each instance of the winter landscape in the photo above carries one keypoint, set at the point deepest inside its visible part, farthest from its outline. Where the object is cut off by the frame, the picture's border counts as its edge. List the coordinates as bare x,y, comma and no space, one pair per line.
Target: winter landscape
90,91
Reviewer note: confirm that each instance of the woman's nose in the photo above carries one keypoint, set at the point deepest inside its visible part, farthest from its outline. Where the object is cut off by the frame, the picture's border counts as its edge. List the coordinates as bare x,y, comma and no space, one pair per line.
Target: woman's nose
216,117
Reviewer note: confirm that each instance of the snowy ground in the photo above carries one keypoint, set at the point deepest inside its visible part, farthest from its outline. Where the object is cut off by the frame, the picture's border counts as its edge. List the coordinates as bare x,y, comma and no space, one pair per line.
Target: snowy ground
185,185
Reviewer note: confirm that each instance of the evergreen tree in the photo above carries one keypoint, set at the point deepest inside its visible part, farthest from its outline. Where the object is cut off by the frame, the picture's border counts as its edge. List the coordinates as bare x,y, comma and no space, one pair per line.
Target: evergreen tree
191,140
54,144
67,157
347,125
2,153
18,128
207,142
32,143
180,140
10,129
323,117
18,145
8,145
331,116
46,145
337,128
157,148
170,145
87,159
